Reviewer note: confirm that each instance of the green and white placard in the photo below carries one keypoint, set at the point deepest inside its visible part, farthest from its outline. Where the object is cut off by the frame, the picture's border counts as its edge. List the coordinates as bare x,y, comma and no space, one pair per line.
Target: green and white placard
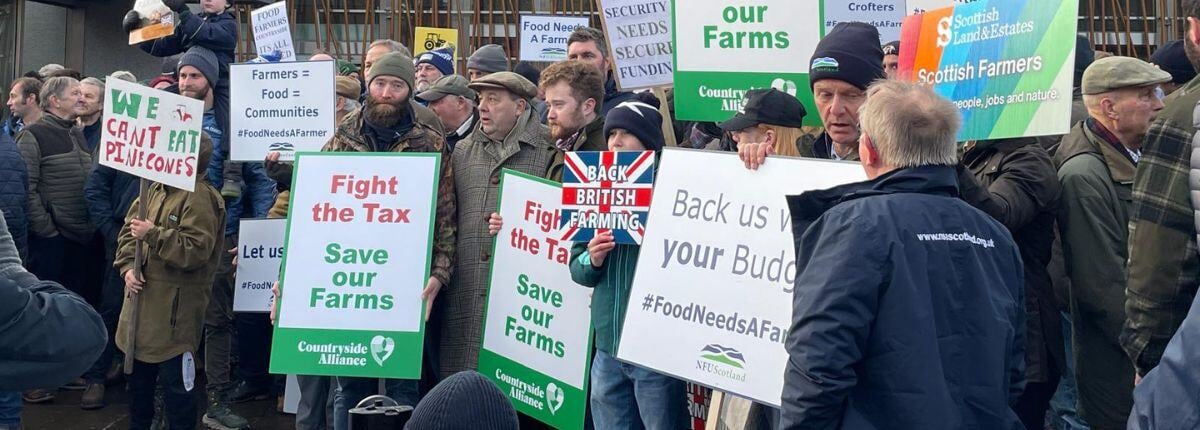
358,250
537,342
723,49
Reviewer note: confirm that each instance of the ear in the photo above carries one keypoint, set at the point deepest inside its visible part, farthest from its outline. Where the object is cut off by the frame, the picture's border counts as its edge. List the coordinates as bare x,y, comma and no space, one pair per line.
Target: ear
867,151
770,136
1193,30
589,105
1108,107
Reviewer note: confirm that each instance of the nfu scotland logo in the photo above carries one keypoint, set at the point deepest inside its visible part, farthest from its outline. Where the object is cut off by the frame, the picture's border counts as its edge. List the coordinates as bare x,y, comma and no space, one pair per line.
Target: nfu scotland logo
722,361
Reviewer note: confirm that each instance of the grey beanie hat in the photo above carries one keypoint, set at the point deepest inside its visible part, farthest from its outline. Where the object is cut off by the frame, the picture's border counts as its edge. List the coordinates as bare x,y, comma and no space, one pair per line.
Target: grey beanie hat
465,401
489,58
203,60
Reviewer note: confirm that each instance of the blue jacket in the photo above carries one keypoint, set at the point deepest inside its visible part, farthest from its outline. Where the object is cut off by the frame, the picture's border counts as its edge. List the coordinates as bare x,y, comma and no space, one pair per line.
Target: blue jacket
109,193
1167,397
13,191
48,335
258,193
908,309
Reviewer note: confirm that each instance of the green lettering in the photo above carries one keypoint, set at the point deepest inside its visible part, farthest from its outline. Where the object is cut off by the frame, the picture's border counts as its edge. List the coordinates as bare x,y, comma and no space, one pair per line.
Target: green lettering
332,252
709,34
126,103
522,284
317,295
152,108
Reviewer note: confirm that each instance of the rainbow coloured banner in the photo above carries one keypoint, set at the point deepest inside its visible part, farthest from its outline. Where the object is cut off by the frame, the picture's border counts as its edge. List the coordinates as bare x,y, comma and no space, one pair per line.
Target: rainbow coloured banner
1006,64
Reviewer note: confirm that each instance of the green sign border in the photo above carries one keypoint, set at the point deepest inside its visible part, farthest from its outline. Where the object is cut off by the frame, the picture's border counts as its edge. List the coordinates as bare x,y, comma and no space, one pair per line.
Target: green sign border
409,367
573,417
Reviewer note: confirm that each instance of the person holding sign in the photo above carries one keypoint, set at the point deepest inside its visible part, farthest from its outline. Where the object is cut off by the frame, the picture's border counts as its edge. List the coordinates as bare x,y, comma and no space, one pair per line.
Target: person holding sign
908,309
182,243
621,391
769,116
508,136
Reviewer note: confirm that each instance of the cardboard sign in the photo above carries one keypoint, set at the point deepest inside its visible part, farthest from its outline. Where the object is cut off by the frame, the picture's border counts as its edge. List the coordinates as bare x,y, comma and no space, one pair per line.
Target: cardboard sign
537,332
358,250
1003,63
260,251
885,15
271,31
639,42
430,38
156,21
285,107
714,307
151,134
606,191
544,37
723,50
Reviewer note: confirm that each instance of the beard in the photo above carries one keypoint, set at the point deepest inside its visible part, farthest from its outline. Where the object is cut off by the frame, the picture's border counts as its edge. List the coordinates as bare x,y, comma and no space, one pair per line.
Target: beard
423,86
384,114
1191,50
559,130
199,94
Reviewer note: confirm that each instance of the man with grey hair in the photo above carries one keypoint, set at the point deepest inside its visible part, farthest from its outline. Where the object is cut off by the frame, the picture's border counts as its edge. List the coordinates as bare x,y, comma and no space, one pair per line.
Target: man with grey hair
908,303
1096,163
455,104
89,112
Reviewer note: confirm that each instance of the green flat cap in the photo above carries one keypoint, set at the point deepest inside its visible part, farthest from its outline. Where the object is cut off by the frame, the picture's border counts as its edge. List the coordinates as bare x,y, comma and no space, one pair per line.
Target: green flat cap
510,81
1114,73
453,85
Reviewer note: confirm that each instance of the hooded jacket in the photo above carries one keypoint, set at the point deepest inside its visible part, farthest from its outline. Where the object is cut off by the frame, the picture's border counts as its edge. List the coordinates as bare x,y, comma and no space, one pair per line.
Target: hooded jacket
907,310
58,164
1014,181
182,253
1097,182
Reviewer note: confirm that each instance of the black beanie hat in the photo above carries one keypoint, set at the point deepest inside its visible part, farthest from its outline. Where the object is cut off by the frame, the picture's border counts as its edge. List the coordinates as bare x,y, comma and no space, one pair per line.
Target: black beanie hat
1172,59
850,52
465,401
203,60
640,117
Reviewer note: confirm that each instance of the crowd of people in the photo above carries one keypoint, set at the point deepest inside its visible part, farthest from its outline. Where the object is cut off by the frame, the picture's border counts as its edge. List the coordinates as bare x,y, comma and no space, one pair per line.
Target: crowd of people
1039,282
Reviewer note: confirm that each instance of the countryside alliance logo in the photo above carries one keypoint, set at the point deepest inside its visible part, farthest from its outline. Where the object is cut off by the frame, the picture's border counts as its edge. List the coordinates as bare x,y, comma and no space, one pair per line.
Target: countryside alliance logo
722,361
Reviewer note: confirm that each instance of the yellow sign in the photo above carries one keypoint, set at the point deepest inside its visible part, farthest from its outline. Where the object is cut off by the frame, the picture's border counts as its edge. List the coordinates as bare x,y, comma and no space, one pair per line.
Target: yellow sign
430,38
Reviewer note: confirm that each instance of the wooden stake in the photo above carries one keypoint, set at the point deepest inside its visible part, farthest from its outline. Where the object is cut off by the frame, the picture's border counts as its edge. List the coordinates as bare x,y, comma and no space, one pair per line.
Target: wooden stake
665,109
139,259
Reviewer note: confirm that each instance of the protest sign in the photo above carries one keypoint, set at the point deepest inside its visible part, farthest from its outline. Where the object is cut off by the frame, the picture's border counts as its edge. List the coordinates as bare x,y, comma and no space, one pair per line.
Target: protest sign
430,38
1003,63
603,191
698,399
639,41
885,15
151,134
357,256
285,107
260,250
155,21
544,37
714,308
271,31
723,50
537,343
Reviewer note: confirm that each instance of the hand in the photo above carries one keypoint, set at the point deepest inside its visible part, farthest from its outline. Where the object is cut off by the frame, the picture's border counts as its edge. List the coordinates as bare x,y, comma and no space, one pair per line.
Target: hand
1137,379
139,228
599,247
495,223
132,21
430,293
176,5
133,285
234,251
754,154
272,159
274,299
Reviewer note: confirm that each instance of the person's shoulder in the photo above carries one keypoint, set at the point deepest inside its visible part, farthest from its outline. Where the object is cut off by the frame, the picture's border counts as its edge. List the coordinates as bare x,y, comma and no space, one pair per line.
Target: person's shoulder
1084,166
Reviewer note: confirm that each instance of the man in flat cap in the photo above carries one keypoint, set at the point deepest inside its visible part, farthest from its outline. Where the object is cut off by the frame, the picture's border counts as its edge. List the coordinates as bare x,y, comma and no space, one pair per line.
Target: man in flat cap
1096,163
455,105
508,137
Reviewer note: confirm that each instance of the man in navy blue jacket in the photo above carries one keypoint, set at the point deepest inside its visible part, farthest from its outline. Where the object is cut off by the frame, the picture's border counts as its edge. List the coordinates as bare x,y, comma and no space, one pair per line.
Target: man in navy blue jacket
908,308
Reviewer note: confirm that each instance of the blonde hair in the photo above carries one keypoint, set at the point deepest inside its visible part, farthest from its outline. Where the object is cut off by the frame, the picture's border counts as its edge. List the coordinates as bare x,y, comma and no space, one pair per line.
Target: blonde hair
785,138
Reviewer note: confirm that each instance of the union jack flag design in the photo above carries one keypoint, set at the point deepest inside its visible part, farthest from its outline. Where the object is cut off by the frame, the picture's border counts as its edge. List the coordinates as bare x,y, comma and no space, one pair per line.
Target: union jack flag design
607,191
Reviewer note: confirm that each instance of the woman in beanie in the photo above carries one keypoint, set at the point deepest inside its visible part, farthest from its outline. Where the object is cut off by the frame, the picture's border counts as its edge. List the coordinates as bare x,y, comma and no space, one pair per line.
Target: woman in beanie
620,392
769,116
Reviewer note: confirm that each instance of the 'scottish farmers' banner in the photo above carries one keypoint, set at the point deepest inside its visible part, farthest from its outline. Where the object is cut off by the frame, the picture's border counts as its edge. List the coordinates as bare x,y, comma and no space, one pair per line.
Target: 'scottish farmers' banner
639,39
606,191
724,50
537,334
358,250
260,251
151,134
285,107
271,31
544,37
714,308
1007,65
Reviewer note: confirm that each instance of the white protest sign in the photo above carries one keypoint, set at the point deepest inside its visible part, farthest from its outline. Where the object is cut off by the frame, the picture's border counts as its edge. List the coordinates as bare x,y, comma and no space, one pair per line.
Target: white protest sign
639,37
260,250
885,15
151,134
271,31
714,308
358,251
285,107
544,37
291,395
537,334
